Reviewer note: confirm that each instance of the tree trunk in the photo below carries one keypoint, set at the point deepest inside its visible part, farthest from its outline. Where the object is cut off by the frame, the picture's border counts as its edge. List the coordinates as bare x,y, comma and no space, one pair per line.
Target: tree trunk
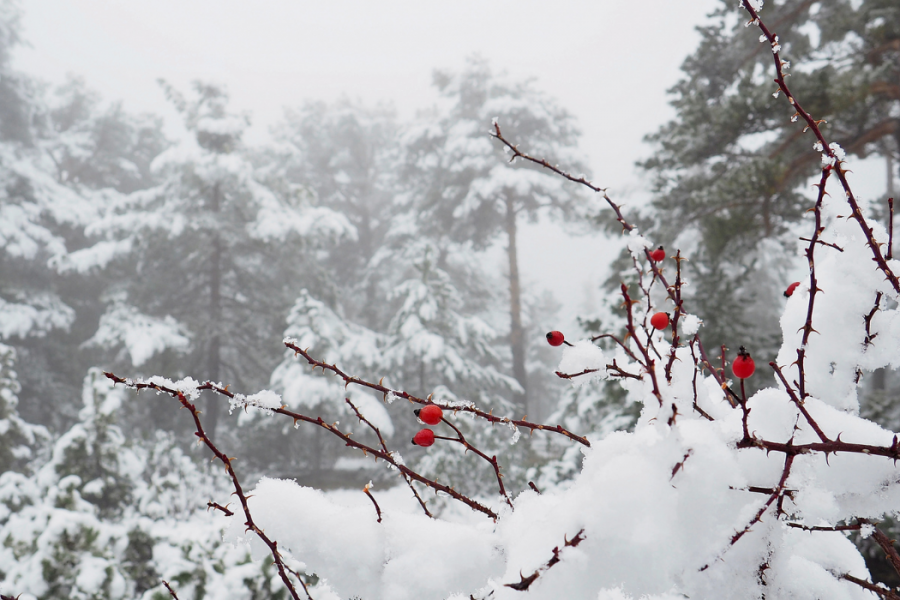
516,335
214,360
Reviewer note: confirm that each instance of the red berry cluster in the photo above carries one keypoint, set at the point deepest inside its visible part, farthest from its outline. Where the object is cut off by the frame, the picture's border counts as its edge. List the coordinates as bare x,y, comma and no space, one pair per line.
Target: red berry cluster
431,414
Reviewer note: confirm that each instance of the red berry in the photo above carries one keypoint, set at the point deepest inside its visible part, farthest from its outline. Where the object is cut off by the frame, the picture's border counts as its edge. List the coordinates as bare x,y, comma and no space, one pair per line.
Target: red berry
431,414
743,366
660,320
658,255
424,438
790,289
556,338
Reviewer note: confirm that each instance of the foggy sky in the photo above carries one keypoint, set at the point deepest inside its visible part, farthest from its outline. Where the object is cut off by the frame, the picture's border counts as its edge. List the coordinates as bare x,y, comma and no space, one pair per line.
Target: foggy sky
609,62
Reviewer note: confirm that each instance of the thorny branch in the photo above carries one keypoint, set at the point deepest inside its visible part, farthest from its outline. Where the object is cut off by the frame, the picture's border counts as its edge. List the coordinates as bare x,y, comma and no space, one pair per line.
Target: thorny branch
886,543
219,507
675,316
626,226
884,593
333,429
649,364
348,379
168,587
525,582
813,287
384,447
799,403
238,490
461,439
621,344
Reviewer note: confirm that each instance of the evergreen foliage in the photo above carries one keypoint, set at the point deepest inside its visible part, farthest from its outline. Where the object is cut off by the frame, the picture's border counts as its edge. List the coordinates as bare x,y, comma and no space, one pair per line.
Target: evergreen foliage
731,170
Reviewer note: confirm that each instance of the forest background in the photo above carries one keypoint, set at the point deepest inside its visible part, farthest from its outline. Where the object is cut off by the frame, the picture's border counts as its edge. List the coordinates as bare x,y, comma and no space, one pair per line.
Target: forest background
365,235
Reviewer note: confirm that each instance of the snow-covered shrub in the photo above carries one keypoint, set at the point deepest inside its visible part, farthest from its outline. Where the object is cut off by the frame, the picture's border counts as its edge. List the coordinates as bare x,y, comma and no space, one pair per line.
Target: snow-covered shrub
106,518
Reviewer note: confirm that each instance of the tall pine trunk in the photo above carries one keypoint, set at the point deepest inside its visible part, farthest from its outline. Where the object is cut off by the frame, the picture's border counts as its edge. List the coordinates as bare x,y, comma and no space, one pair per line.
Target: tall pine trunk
214,359
516,335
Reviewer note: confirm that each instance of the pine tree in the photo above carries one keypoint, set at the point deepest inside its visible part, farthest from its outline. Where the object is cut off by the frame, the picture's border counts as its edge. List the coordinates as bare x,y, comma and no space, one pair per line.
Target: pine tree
346,154
461,188
20,441
106,517
730,170
207,260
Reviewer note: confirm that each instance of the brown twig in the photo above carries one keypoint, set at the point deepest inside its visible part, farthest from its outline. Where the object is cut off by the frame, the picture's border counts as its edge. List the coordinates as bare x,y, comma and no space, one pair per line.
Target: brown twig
384,447
886,543
679,465
697,369
799,403
675,317
235,482
718,375
829,244
621,344
168,587
890,248
883,592
219,507
649,364
333,429
626,226
821,528
525,582
316,364
776,493
813,287
372,498
868,320
461,439
562,375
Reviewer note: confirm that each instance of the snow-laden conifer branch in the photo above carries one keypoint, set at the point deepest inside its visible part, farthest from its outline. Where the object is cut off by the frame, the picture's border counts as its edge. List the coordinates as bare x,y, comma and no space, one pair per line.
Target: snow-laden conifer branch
469,408
226,460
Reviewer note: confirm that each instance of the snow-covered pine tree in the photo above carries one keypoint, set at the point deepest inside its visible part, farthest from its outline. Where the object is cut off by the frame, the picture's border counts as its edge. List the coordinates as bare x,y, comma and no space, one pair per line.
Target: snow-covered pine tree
460,187
345,153
104,517
730,170
20,441
202,262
